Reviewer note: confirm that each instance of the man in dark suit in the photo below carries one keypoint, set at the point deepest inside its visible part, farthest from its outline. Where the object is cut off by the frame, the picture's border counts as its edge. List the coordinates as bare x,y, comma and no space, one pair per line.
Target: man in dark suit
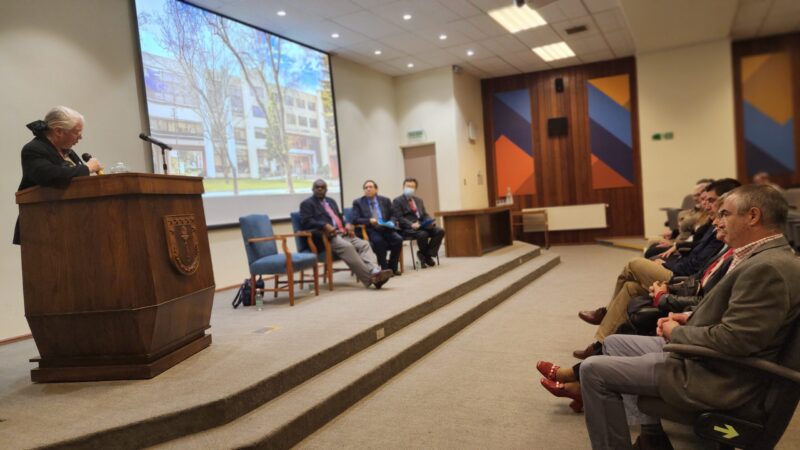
416,223
749,313
48,159
321,214
375,213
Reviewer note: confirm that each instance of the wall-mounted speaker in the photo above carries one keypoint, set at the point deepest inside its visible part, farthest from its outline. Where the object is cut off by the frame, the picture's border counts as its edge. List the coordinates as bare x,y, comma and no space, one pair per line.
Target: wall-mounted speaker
559,85
557,126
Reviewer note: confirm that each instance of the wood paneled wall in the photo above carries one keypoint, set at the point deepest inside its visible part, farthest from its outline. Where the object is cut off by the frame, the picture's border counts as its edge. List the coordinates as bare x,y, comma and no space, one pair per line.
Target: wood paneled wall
563,164
789,43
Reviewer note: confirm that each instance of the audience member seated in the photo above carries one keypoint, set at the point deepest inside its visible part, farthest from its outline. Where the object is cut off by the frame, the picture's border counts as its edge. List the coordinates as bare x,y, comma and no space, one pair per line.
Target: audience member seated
762,178
639,274
375,213
321,214
417,224
688,222
749,313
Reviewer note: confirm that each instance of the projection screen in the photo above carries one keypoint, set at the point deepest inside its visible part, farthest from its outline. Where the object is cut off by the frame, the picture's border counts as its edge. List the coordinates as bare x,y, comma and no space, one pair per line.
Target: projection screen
249,111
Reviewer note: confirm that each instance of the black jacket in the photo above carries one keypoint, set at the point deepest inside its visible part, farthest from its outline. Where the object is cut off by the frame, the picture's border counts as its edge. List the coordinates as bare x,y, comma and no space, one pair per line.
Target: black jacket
405,216
362,214
313,217
42,165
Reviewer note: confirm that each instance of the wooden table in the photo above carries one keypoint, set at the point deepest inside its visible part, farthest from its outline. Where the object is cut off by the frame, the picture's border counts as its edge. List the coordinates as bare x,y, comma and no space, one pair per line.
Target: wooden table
474,232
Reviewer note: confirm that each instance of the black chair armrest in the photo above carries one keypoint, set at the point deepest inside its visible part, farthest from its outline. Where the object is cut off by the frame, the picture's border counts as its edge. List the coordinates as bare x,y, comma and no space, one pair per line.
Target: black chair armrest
755,363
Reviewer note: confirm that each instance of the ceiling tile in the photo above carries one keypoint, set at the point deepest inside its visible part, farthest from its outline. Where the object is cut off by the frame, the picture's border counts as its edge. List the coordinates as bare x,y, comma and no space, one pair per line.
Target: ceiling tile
387,69
439,57
572,8
504,44
407,42
551,13
367,49
586,21
328,8
521,58
490,64
461,51
461,7
566,62
487,5
487,25
779,24
536,65
538,36
466,28
610,20
587,45
368,24
453,37
601,5
402,64
371,3
425,13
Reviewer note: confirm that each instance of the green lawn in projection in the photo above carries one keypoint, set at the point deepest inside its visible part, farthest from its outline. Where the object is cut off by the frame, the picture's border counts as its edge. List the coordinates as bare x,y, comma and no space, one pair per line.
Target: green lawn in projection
249,184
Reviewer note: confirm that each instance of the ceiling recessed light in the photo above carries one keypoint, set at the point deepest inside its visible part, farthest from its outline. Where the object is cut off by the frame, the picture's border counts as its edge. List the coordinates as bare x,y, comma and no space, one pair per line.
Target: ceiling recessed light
335,35
406,16
410,65
378,52
552,52
470,53
516,19
442,37
281,13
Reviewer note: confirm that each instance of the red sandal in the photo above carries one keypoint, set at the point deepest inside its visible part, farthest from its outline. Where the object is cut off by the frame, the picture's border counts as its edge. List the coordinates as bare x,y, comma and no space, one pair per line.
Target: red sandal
559,390
547,369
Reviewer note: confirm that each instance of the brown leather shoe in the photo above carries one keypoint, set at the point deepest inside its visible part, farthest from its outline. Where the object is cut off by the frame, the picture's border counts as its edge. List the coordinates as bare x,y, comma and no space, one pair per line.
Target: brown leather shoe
593,317
380,278
593,349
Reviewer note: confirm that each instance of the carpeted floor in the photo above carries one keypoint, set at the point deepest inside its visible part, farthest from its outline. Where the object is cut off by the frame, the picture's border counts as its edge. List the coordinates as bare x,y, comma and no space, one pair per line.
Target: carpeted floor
481,389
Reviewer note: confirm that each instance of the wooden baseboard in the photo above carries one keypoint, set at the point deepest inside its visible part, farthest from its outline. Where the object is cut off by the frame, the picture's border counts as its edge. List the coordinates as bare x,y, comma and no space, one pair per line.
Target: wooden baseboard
11,340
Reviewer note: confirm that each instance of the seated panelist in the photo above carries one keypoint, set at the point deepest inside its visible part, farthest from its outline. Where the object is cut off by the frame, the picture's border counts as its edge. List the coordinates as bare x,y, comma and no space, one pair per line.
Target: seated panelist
321,214
48,159
416,223
375,213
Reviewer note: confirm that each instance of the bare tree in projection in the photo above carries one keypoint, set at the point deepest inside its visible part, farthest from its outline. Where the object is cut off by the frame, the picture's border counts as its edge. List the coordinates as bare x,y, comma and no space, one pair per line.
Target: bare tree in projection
205,63
259,56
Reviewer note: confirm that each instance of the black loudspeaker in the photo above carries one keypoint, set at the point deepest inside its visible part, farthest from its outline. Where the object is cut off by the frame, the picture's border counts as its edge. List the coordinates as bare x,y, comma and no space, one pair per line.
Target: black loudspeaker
557,126
559,85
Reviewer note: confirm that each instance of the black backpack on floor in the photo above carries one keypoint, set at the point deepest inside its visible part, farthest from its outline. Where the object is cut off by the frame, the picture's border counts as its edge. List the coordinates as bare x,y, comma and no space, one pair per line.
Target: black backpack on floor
243,295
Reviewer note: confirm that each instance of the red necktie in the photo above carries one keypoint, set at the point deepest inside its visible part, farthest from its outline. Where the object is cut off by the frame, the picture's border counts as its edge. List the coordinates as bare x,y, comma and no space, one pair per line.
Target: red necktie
412,205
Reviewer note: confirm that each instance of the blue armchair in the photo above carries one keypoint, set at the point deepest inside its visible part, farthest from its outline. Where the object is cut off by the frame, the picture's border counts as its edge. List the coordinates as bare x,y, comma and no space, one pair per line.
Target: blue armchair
263,258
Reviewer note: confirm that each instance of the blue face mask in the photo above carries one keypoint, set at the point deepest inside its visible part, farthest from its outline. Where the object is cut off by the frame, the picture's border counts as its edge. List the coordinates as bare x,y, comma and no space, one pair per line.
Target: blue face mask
408,192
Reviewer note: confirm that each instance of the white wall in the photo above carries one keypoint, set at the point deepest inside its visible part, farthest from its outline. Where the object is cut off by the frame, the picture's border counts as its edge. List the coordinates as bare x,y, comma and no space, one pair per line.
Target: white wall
368,131
471,154
425,101
688,91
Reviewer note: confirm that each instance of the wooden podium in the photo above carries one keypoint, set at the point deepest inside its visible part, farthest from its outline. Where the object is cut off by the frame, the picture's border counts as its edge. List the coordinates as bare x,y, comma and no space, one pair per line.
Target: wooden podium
474,232
117,275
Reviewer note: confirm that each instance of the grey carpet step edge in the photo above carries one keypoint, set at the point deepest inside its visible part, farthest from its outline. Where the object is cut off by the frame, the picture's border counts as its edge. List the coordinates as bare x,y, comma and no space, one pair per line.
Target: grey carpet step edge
173,425
297,414
303,425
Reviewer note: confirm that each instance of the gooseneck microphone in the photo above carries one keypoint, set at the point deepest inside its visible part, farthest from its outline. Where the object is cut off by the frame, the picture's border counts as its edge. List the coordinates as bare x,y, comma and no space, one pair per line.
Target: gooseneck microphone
151,140
86,157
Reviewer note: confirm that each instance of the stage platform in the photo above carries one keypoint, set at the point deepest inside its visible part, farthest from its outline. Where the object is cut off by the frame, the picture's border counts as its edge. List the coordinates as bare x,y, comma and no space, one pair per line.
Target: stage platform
297,366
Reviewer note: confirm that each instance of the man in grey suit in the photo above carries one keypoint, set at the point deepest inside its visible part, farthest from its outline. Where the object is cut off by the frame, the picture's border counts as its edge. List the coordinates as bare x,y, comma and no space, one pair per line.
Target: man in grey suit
750,312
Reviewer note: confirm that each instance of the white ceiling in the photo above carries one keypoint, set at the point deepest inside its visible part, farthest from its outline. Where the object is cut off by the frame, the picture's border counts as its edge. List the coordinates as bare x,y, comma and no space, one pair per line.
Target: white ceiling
615,28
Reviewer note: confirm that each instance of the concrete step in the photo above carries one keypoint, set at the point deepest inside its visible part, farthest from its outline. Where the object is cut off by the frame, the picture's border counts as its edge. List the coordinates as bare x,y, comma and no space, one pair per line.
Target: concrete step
289,418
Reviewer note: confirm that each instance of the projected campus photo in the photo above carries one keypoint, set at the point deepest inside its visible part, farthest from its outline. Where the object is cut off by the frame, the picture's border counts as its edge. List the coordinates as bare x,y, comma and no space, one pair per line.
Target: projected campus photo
250,112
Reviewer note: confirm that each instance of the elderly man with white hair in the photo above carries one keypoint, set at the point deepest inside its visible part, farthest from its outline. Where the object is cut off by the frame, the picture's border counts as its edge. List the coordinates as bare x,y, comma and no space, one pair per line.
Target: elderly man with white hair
48,159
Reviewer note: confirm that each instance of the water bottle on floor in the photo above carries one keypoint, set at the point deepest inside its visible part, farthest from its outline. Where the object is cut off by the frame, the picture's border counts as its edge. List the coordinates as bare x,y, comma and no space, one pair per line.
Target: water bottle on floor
259,300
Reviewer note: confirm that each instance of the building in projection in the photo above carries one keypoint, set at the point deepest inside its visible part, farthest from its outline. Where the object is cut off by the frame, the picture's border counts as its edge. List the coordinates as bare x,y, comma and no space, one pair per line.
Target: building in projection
211,137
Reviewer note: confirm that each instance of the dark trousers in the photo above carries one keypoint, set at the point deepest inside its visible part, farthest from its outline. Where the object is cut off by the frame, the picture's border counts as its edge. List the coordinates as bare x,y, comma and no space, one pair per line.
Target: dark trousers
383,241
428,240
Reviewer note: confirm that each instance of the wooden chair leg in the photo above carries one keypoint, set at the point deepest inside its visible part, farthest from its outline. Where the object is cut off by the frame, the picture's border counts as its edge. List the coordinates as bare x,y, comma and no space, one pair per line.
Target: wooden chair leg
275,293
252,290
302,278
316,279
290,285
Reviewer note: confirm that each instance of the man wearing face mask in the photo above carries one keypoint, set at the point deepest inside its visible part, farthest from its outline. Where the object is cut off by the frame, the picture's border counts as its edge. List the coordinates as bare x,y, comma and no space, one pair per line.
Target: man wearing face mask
416,223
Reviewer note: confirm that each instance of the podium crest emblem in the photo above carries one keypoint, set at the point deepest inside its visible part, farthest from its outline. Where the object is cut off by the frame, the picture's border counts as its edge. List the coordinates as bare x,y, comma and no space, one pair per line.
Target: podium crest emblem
182,242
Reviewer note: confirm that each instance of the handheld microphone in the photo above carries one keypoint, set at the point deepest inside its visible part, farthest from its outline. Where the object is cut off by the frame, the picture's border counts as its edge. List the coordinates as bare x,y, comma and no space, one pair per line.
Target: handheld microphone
147,138
86,157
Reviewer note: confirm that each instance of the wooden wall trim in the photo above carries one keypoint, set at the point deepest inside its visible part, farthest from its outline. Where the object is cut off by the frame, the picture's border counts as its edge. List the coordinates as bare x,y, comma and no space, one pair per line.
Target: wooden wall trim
563,165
